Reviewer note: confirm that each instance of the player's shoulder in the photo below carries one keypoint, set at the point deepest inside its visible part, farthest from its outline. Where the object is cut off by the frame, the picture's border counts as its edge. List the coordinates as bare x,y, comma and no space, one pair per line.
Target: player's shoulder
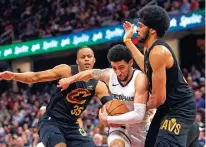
138,73
140,76
160,51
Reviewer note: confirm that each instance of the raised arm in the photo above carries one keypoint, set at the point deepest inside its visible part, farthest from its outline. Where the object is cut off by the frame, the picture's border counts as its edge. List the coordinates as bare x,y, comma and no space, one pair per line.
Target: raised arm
98,74
141,96
137,55
158,58
60,71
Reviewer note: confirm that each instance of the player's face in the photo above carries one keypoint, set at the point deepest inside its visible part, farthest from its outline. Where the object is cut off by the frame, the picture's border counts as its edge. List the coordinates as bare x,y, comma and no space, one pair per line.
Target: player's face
122,69
142,32
85,59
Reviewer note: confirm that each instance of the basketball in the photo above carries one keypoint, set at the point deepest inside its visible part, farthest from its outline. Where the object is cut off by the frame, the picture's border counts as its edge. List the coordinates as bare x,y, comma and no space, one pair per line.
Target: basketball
116,107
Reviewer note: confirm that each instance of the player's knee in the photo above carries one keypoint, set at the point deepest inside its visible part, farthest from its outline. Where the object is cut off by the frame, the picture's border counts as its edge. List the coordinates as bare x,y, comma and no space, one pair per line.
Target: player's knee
117,143
61,145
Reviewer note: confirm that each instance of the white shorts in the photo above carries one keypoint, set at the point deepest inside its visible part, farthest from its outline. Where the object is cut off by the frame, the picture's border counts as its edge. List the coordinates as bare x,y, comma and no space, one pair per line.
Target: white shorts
118,133
132,136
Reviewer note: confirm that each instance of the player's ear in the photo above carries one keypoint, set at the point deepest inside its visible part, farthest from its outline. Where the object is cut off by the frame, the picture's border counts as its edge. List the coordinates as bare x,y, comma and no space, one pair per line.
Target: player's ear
152,31
77,62
94,60
131,62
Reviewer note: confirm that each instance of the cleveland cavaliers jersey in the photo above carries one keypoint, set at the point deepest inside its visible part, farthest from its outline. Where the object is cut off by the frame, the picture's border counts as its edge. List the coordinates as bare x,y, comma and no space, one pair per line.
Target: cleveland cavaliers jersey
126,93
178,93
66,106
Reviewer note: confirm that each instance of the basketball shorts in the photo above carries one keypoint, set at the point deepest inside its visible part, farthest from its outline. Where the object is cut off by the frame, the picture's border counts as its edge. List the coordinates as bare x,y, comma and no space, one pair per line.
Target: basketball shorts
170,129
52,133
133,134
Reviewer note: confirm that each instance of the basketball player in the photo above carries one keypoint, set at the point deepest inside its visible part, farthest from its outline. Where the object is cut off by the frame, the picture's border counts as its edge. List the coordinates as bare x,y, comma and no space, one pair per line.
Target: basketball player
126,84
58,127
170,93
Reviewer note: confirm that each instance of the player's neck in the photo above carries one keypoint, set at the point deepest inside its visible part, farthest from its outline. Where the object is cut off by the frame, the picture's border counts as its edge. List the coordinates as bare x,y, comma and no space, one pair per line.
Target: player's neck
79,69
148,43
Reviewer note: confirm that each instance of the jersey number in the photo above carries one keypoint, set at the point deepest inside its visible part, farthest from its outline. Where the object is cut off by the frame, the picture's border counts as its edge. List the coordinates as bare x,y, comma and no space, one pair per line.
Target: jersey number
77,110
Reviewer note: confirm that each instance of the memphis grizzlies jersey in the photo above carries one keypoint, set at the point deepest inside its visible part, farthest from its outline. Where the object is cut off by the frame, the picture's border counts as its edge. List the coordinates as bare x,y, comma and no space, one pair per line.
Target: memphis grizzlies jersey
137,131
66,106
123,92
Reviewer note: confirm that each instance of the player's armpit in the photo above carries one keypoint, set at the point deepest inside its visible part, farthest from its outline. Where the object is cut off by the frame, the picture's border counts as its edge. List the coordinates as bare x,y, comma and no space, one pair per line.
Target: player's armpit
55,73
158,59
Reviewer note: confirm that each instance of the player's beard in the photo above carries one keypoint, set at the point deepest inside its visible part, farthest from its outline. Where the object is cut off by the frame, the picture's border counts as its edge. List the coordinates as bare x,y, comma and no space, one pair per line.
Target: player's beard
146,36
126,77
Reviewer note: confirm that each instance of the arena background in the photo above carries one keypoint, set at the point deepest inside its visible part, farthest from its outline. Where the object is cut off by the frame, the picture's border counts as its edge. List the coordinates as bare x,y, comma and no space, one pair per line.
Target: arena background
64,25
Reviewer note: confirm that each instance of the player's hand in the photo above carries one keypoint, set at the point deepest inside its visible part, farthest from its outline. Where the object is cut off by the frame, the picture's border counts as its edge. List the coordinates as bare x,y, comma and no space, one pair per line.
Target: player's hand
129,29
6,75
103,115
64,83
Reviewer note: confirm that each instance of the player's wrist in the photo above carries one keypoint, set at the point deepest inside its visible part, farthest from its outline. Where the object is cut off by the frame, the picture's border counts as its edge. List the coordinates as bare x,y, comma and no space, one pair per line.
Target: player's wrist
13,76
126,39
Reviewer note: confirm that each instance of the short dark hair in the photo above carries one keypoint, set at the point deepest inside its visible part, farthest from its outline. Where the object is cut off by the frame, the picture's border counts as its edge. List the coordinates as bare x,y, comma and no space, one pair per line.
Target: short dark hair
155,17
119,52
82,48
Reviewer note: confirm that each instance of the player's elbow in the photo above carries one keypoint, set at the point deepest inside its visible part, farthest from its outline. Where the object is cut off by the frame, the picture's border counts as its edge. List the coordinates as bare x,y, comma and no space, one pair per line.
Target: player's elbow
161,99
140,118
32,80
140,110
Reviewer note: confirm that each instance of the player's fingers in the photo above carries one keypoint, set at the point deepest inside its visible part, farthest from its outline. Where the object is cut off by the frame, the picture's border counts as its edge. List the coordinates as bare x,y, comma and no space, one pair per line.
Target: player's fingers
128,24
124,26
59,86
104,108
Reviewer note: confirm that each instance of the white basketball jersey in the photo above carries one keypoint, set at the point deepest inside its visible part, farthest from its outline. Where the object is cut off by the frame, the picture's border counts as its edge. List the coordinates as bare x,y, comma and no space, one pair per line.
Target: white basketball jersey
123,92
126,93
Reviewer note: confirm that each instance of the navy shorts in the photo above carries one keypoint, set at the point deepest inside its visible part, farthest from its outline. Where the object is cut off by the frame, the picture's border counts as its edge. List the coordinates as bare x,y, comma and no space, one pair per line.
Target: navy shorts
170,128
52,133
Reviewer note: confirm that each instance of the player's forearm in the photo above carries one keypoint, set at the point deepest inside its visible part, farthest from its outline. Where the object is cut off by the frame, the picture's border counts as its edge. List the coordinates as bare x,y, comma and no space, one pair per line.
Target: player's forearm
137,55
153,102
82,76
135,116
27,77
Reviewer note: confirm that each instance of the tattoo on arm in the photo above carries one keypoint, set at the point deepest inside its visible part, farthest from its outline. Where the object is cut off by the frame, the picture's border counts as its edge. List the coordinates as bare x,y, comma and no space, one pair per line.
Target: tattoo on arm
100,74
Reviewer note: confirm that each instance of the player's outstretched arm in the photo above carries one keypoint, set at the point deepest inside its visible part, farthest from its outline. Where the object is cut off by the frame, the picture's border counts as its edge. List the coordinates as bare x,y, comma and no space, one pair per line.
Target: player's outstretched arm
137,55
158,59
55,73
98,74
141,95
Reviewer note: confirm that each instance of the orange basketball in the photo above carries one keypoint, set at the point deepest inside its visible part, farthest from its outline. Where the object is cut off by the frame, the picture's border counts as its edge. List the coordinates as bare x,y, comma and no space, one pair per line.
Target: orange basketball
116,107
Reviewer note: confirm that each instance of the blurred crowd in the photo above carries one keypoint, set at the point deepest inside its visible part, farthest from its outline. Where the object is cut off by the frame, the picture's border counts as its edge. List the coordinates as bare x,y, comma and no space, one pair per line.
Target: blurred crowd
25,20
20,112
